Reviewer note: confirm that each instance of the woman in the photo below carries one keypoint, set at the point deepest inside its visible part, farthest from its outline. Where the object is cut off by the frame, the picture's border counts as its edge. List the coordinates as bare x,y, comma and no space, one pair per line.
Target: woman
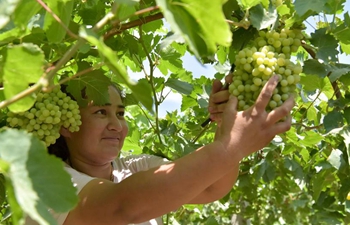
140,188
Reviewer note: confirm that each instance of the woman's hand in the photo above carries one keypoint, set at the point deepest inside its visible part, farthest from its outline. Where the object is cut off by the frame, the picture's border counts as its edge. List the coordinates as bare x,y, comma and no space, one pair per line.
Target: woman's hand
218,99
248,131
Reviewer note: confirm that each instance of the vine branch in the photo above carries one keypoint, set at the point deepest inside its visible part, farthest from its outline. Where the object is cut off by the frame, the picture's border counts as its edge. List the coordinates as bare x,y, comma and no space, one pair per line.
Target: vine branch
131,24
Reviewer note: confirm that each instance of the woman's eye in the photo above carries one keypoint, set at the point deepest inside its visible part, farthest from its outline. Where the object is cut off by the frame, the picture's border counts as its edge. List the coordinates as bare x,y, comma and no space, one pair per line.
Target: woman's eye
121,114
101,111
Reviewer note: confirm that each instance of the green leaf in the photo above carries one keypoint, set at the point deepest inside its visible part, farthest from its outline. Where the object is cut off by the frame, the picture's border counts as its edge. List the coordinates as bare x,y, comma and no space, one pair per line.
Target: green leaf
16,210
338,71
342,31
314,82
25,11
314,67
333,120
318,181
180,86
2,188
31,169
302,6
141,91
344,47
326,44
247,4
310,138
211,221
25,61
132,142
201,23
262,18
347,206
336,159
95,84
346,136
188,102
63,9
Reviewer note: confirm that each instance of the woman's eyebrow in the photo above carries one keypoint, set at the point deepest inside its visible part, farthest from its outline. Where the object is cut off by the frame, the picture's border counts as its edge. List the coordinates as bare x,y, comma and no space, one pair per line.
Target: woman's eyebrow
119,106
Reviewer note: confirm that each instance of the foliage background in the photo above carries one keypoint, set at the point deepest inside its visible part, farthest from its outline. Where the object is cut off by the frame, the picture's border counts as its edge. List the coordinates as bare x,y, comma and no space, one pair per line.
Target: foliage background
302,177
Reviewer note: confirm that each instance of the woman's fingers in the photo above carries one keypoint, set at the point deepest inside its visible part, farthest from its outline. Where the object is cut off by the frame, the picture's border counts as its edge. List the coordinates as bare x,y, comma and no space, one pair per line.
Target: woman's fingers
281,112
265,95
283,126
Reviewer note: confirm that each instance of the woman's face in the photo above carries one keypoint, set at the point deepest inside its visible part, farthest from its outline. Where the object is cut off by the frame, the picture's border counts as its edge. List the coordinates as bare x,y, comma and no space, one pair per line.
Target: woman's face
102,133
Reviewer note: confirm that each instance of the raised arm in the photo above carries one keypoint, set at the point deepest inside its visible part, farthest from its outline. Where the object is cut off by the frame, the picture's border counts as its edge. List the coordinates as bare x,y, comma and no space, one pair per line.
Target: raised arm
152,193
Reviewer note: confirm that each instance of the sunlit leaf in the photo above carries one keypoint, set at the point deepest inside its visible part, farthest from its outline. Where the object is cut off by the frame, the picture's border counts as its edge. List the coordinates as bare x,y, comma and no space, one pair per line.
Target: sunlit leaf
301,6
180,86
247,4
63,9
141,90
30,171
94,85
25,61
201,23
336,159
332,120
326,44
262,18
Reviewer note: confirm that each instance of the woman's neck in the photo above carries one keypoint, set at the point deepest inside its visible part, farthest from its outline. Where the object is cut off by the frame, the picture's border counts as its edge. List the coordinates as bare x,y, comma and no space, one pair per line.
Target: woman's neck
104,171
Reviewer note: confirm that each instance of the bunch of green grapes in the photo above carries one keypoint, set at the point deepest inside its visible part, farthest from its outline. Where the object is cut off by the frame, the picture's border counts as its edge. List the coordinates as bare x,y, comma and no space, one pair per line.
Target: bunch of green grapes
50,112
268,54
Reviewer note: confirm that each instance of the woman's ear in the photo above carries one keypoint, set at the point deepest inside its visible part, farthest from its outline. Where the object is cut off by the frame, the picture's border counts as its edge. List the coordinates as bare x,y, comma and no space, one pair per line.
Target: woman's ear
65,132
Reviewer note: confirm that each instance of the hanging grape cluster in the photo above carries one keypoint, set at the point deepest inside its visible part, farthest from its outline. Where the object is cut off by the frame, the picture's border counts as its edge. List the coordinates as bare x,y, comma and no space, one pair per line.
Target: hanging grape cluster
50,112
269,53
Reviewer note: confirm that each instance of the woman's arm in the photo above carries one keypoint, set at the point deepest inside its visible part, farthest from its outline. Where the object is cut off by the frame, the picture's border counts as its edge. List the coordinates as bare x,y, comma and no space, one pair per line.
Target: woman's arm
152,193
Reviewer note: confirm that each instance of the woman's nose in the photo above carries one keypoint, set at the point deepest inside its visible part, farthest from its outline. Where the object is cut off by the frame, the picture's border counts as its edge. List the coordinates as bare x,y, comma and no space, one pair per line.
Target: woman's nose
115,124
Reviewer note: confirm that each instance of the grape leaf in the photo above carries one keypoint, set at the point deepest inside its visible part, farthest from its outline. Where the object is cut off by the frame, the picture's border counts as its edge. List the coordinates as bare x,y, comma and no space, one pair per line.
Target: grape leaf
201,23
2,189
262,18
25,11
141,90
344,47
27,61
312,66
312,82
326,44
247,4
302,6
333,120
63,9
342,31
337,71
346,136
180,86
30,171
188,102
310,138
95,85
336,159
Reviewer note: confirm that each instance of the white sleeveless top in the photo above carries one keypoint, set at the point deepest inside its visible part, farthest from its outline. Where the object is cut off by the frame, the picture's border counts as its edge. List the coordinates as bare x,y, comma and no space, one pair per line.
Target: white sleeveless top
123,168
